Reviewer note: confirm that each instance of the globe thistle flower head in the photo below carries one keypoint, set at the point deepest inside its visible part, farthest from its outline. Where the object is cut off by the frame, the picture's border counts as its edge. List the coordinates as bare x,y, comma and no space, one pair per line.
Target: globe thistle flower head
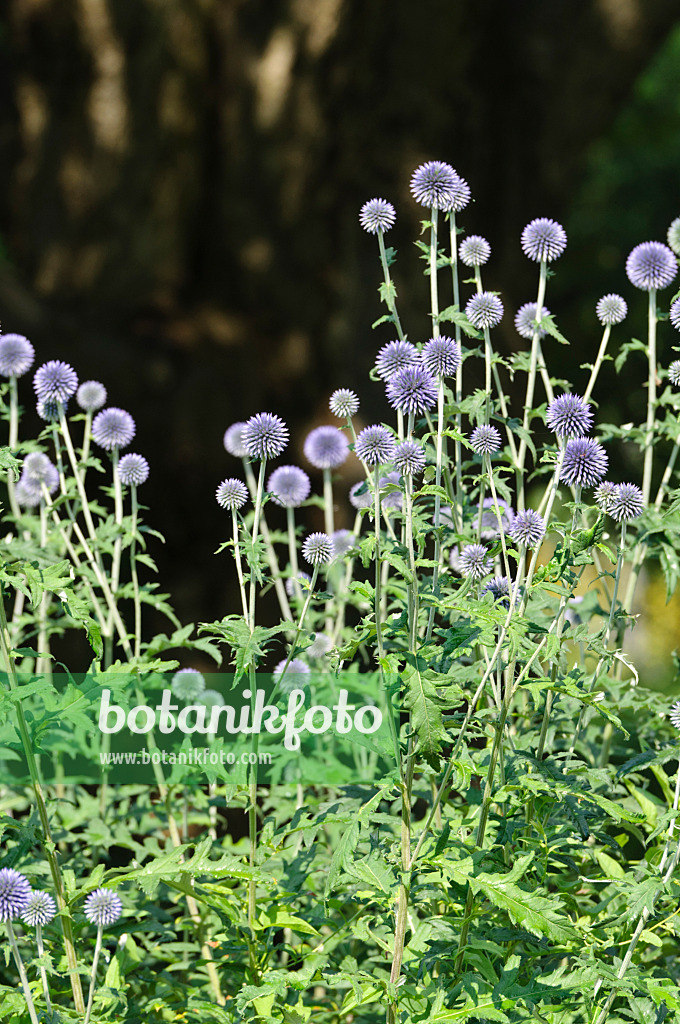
296,676
317,548
674,314
290,486
394,356
265,435
627,502
412,390
651,265
569,416
674,713
103,907
377,215
326,447
37,471
344,403
360,495
485,439
525,318
302,577
187,684
375,445
498,587
409,458
40,910
320,646
113,428
484,310
674,372
15,892
27,493
460,195
133,470
37,467
673,236
474,251
343,542
393,501
435,184
441,357
611,309
91,395
603,494
233,440
585,462
543,240
231,494
16,355
211,699
50,409
528,528
474,562
56,380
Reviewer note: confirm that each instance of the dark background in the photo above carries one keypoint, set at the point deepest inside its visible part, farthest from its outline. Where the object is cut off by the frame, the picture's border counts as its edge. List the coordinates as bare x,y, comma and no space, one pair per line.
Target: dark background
180,182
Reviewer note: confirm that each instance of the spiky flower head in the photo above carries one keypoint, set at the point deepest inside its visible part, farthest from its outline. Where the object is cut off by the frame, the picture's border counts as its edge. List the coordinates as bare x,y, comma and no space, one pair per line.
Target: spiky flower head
460,195
674,314
302,577
375,445
674,372
326,447
231,494
413,389
674,713
393,501
651,265
265,435
528,528
321,645
233,440
611,309
40,910
317,548
49,409
603,494
16,355
113,428
187,684
485,439
484,310
91,395
36,474
28,494
498,587
627,502
344,403
296,677
543,240
360,495
569,416
409,458
377,215
290,486
56,380
394,356
474,251
435,184
103,907
15,892
38,468
133,470
344,541
585,462
673,236
474,562
525,317
441,356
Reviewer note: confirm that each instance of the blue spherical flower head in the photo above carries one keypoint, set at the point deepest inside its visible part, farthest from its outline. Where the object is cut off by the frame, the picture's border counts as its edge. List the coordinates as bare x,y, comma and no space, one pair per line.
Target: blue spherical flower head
674,314
103,907
394,356
231,494
485,439
413,389
55,380
37,467
484,310
651,266
435,184
344,403
290,486
233,440
187,684
296,677
627,503
674,372
460,195
585,462
525,318
474,562
113,429
441,357
603,494
27,493
474,251
528,528
264,436
673,236
15,892
317,549
409,458
360,495
377,215
133,470
91,395
16,355
40,910
375,445
326,447
611,309
344,541
569,416
543,240
499,588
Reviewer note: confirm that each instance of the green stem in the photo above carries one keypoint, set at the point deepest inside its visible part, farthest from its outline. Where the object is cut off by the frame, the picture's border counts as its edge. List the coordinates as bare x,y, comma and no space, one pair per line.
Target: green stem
13,442
256,525
389,287
239,564
458,511
279,586
43,973
598,363
22,973
531,384
133,572
93,976
651,398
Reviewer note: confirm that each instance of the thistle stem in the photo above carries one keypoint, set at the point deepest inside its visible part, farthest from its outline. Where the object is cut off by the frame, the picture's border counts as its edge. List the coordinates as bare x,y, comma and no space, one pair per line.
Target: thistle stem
22,973
651,398
598,363
239,564
43,974
93,976
531,384
390,290
133,572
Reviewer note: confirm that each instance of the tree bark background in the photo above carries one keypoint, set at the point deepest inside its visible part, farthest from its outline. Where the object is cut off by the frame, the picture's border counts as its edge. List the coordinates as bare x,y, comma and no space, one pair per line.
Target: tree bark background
181,181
